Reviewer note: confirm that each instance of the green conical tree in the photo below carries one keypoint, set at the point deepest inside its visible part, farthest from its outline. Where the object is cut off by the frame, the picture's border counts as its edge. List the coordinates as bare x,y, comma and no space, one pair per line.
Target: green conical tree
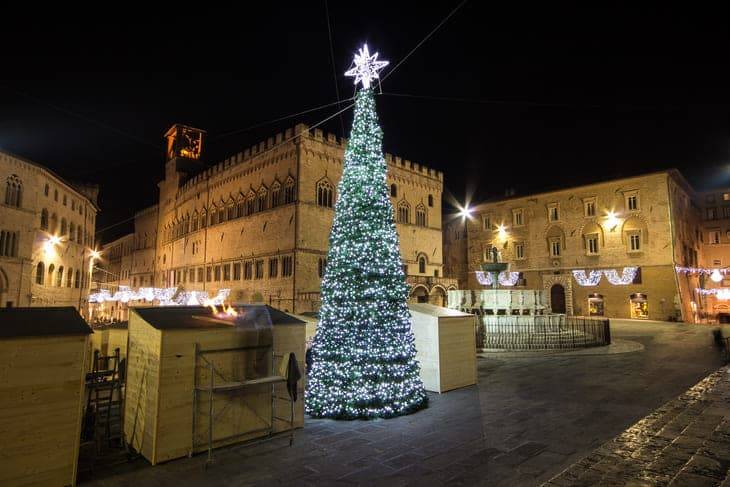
363,354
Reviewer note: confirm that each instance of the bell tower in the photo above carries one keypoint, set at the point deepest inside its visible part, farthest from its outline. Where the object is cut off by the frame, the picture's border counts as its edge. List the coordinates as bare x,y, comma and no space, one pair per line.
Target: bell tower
184,151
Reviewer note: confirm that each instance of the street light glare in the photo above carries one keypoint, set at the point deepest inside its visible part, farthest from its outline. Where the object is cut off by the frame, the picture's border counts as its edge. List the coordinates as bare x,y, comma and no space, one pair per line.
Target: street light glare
465,212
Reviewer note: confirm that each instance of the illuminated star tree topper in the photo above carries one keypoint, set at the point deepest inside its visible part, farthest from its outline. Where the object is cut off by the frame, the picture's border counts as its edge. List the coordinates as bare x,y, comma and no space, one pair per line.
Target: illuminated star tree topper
366,67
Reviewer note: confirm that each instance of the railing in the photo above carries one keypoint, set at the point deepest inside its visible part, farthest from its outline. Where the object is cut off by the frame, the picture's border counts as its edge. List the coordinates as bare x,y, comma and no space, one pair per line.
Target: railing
542,332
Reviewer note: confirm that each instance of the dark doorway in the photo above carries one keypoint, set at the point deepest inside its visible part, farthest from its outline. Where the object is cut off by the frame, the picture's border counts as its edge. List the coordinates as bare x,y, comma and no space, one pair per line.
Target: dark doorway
557,298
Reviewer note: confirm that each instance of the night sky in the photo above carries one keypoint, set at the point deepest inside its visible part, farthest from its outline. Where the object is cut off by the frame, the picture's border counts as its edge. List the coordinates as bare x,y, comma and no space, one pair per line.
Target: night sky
524,99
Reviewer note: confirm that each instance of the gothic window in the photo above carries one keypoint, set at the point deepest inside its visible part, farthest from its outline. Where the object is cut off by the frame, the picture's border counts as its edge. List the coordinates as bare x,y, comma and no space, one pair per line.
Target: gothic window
40,271
69,278
8,243
430,200
275,194
260,269
78,234
51,268
77,281
421,265
237,271
325,193
273,267
248,270
193,222
404,212
71,231
421,215
59,277
47,190
393,190
261,200
213,216
203,219
232,211
289,191
251,203
13,191
63,227
241,204
287,266
44,219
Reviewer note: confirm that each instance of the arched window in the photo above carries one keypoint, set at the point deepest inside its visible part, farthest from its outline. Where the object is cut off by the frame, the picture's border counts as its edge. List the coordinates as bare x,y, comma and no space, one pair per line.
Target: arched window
51,268
79,236
404,212
261,201
44,219
393,191
55,195
194,221
321,266
213,216
77,281
275,194
250,203
71,231
186,224
232,211
54,223
47,190
421,265
430,200
289,191
13,191
421,215
325,193
40,273
69,278
59,277
63,227
241,205
203,219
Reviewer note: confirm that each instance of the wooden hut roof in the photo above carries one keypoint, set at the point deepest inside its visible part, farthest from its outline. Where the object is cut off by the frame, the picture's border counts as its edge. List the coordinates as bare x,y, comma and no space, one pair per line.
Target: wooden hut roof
42,321
184,317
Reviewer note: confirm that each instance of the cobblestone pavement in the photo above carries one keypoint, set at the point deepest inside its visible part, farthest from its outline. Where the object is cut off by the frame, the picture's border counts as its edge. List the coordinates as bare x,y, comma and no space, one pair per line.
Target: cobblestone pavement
684,442
528,420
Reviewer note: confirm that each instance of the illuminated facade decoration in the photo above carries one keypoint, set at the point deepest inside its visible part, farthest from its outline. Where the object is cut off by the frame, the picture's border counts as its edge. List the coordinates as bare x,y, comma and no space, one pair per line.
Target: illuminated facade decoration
614,239
185,142
47,228
162,296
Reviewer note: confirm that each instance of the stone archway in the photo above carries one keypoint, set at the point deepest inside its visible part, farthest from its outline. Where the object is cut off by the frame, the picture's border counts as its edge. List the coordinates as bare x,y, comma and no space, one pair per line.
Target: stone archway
564,280
437,296
557,298
419,294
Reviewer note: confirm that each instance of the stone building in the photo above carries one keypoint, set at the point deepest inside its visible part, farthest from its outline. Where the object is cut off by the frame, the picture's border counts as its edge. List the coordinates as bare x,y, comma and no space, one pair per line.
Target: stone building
112,270
715,254
46,234
258,223
608,248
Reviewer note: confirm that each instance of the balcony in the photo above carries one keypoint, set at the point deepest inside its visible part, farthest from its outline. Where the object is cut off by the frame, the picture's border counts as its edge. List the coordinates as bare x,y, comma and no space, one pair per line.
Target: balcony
430,282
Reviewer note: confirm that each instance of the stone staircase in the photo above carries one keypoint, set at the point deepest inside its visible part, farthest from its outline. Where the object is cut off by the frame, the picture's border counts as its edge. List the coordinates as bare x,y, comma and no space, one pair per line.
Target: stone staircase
684,442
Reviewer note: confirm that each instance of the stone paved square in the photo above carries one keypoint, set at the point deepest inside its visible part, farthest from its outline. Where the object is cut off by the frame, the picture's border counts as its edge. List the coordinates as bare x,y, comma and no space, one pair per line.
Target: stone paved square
530,417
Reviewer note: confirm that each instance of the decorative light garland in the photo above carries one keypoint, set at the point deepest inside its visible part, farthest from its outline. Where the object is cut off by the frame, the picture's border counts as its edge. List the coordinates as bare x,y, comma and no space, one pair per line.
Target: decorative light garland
722,293
628,274
592,279
702,270
504,278
170,296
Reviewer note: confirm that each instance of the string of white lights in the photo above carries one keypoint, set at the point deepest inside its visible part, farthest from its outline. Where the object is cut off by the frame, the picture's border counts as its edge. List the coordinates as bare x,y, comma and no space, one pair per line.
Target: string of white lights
170,296
504,278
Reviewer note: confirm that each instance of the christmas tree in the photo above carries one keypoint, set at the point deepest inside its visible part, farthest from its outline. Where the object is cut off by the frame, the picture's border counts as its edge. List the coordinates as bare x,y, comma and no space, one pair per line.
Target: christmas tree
363,354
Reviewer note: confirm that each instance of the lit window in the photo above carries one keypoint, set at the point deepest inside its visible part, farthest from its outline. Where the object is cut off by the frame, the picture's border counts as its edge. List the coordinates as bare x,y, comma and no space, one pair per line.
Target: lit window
553,213
592,244
519,250
635,242
517,217
726,196
486,222
555,247
589,208
715,237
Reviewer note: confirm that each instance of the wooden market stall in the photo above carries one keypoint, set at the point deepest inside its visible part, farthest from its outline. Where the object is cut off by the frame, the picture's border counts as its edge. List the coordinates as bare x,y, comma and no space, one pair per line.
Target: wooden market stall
42,367
108,338
445,346
189,368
